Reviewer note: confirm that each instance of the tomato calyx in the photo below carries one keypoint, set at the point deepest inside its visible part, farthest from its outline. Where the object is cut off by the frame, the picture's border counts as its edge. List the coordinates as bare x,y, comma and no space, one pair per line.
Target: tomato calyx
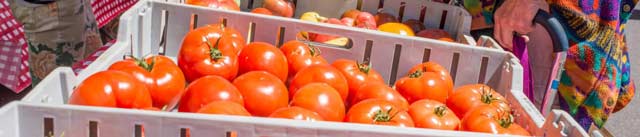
440,111
384,116
214,52
364,68
416,74
505,120
487,97
143,64
314,51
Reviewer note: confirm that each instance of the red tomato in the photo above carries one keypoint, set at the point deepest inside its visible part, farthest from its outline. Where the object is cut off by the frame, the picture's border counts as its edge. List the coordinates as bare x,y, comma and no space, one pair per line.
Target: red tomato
422,85
260,56
296,113
435,34
322,99
208,89
436,68
263,92
262,11
356,74
468,97
111,89
163,78
380,90
300,55
490,119
366,20
224,108
322,74
210,50
434,115
279,7
218,4
378,112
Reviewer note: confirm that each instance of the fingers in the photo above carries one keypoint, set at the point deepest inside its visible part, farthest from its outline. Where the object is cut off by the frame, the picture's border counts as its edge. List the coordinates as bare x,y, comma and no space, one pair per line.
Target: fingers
507,37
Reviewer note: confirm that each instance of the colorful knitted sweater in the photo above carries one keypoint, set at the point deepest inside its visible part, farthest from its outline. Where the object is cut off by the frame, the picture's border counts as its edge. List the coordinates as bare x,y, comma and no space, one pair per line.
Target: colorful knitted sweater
596,81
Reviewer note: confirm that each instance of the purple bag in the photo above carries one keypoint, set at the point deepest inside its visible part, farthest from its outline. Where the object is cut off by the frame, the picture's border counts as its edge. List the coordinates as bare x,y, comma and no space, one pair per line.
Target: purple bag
521,52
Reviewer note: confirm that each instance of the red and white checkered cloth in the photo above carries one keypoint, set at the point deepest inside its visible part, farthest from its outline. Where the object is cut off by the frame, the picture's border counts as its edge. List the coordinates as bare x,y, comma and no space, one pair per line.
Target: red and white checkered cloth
81,65
14,66
107,10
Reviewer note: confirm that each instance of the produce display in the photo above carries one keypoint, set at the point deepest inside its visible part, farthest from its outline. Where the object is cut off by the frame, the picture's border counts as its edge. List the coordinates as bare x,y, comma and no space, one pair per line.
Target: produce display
223,76
381,21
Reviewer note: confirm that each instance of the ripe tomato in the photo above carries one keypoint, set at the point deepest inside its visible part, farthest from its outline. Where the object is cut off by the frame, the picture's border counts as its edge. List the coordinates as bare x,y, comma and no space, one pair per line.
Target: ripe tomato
397,28
382,18
224,108
163,78
352,13
296,113
468,97
300,55
490,119
106,89
422,85
380,90
356,74
436,68
435,34
434,115
365,20
378,112
210,50
218,4
322,99
262,11
415,25
208,89
279,7
323,74
260,56
263,92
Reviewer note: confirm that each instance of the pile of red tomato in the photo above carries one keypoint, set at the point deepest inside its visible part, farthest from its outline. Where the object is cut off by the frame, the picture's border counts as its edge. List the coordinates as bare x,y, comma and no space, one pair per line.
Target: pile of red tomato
217,73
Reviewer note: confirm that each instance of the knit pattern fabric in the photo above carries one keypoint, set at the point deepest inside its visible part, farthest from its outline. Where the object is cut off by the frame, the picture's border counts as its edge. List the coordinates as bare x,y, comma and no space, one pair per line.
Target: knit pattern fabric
596,81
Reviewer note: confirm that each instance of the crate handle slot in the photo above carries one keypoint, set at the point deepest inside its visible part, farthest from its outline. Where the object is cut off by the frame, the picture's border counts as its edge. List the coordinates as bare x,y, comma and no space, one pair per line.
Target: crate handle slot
426,55
185,132
483,69
232,134
280,39
396,60
338,41
403,5
48,127
93,128
139,130
454,66
443,19
367,52
252,32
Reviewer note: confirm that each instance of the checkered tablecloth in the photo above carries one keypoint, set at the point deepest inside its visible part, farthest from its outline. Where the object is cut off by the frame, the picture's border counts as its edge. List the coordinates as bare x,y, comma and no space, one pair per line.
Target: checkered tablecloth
14,69
107,10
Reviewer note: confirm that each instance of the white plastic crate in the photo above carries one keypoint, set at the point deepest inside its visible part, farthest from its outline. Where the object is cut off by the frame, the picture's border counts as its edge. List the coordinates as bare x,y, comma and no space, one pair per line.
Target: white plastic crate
392,56
453,19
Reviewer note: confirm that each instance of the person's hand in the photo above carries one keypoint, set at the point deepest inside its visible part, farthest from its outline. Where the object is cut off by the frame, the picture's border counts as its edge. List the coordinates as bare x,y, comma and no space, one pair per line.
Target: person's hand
514,16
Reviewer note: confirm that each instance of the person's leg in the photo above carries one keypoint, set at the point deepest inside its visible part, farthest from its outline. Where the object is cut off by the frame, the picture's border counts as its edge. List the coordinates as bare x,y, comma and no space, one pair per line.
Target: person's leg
58,34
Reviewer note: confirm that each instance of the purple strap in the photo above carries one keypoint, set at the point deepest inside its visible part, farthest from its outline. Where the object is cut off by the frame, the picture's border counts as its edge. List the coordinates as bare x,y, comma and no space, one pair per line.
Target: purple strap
521,52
